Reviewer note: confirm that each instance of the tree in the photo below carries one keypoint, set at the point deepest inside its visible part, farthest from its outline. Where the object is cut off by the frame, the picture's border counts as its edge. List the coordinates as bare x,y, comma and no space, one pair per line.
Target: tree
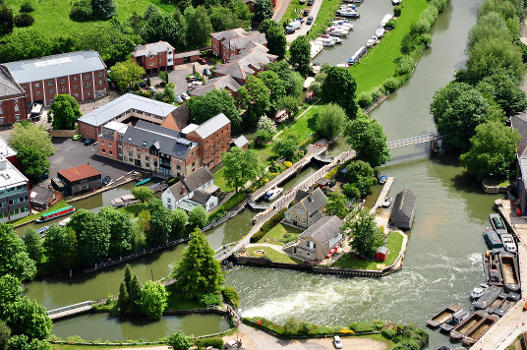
178,341
93,235
14,259
363,234
290,104
134,292
240,167
197,217
7,21
199,272
330,121
266,129
263,9
10,291
274,84
199,28
126,74
150,10
171,27
33,244
26,134
60,246
337,205
26,316
276,41
202,108
286,146
254,97
120,227
340,87
366,137
291,80
351,191
504,89
153,299
160,226
143,193
492,151
104,9
300,55
5,333
179,220
123,301
361,176
458,109
33,162
65,111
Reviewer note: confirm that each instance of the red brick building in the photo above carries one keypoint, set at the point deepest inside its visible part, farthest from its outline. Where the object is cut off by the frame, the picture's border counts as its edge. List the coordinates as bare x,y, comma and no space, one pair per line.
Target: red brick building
230,43
82,74
160,56
12,99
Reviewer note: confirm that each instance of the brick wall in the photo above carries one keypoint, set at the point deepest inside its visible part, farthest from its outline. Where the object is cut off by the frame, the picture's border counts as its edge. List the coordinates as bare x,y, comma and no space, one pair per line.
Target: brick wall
13,109
87,130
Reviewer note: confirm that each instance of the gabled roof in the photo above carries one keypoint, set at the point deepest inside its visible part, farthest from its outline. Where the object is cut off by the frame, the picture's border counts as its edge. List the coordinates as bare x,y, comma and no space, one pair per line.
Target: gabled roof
186,54
228,34
8,85
241,141
40,194
248,62
519,122
152,48
223,82
198,178
178,190
403,209
201,197
212,125
80,172
323,230
313,202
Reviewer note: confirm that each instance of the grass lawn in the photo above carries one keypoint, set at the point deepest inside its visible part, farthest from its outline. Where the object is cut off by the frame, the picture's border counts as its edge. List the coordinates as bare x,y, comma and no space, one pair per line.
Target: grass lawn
326,14
294,10
176,302
220,181
280,235
378,64
95,347
35,216
272,255
52,16
395,240
133,210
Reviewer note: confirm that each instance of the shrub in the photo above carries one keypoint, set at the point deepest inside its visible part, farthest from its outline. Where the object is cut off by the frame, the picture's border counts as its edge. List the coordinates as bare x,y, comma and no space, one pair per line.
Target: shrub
273,221
378,324
397,10
364,100
390,24
26,7
214,342
388,333
376,94
362,327
81,11
351,191
210,299
390,84
288,164
24,20
231,296
407,344
405,65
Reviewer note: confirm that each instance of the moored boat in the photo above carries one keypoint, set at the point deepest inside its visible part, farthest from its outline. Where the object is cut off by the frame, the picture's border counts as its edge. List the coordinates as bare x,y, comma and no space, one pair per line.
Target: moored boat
272,194
456,318
509,271
124,201
492,238
488,297
42,231
496,303
504,307
477,332
142,182
467,325
56,213
491,267
387,202
443,316
497,224
478,290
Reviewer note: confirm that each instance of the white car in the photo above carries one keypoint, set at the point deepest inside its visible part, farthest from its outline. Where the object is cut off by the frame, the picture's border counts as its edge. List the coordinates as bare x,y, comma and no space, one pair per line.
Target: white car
508,243
337,343
185,96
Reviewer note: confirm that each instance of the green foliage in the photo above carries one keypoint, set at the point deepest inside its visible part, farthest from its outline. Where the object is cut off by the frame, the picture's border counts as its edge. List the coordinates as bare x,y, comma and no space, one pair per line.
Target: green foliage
206,342
337,205
171,27
361,176
123,301
300,55
7,21
14,259
65,112
33,244
129,293
263,9
367,138
388,333
231,296
178,341
153,300
10,290
210,299
266,129
405,65
93,235
274,84
378,324
225,18
339,87
198,28
492,152
179,219
286,146
126,74
254,98
362,327
202,108
5,333
351,191
26,316
160,224
291,80
33,162
120,227
143,193
391,23
397,10
104,9
276,41
504,89
26,7
364,235
330,121
407,345
269,224
60,246
81,11
364,100
290,104
24,20
240,167
197,217
199,272
31,135
391,84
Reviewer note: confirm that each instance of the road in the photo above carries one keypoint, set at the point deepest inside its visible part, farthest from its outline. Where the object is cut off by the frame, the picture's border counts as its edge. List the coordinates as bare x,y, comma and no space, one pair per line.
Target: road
280,10
305,28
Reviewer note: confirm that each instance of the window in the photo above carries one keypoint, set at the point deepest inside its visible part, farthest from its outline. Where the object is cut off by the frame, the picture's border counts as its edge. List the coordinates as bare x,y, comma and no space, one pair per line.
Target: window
17,117
37,94
100,81
147,158
37,85
62,80
50,83
151,64
103,151
168,200
131,154
50,91
110,152
15,100
102,142
74,86
110,143
1,111
76,95
86,76
74,78
63,89
99,74
88,93
87,85
169,206
1,120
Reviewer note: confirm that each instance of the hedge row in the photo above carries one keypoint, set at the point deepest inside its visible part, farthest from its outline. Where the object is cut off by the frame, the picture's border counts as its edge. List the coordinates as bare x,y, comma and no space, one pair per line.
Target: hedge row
236,199
272,222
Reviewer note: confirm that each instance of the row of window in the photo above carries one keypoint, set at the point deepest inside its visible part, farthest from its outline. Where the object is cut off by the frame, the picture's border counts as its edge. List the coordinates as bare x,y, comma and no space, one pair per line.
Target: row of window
17,118
14,201
63,80
14,212
17,109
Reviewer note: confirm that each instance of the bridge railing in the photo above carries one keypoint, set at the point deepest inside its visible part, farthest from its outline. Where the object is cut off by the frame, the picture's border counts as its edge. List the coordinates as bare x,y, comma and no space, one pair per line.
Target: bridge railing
70,307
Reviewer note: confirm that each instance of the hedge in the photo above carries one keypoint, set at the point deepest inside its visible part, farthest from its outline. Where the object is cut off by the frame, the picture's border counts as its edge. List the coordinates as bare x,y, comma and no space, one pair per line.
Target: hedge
214,342
272,222
236,199
362,327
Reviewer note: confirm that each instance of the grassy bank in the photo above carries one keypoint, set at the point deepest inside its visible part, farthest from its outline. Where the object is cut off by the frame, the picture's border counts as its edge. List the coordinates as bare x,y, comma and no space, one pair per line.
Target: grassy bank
271,254
325,15
32,217
280,235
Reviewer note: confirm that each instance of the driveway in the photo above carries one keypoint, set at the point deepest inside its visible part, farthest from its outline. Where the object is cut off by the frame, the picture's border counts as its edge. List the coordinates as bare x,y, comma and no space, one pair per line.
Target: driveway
313,11
178,76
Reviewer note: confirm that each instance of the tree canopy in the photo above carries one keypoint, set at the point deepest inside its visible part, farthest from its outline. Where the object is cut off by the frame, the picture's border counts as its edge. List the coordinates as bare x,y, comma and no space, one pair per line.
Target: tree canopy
266,129
178,341
104,9
33,163
33,244
361,176
202,108
26,316
120,227
276,41
364,235
143,193
337,205
153,300
14,259
286,146
300,55
240,167
367,138
197,217
263,9
170,27
340,87
254,98
330,121
93,235
26,134
126,74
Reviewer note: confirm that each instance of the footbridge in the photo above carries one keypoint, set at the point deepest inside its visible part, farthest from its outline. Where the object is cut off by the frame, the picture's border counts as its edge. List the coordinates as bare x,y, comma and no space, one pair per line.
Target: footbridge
415,140
71,310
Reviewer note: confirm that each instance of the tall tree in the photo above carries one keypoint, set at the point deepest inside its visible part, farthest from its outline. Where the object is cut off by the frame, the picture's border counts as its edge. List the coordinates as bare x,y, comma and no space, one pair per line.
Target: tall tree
33,163
199,272
300,55
7,21
263,9
361,176
65,112
290,104
120,227
202,108
505,90
286,146
160,226
274,84
26,316
337,205
340,87
292,81
123,300
276,41
171,27
254,97
93,235
14,259
367,138
126,74
143,193
240,167
179,220
26,134
104,9
330,121
33,244
199,28
266,128
364,235
10,291
61,247
197,217
153,299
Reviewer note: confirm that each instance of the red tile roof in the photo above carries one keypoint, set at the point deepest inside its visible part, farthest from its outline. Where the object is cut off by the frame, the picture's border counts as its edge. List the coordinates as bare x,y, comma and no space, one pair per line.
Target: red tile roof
78,173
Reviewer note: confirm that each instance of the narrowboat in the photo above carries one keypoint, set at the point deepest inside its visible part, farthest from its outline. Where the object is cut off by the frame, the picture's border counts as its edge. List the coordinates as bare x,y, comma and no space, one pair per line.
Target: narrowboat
56,213
509,271
142,182
473,336
492,238
467,325
443,316
491,267
497,224
488,297
456,319
504,307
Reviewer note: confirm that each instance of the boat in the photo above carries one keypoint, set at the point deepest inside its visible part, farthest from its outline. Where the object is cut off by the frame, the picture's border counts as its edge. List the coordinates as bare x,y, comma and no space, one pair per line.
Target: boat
385,19
443,316
272,194
504,307
379,32
491,268
124,201
496,303
336,40
488,297
387,202
42,231
396,2
509,271
142,182
382,179
326,41
514,296
370,43
508,243
497,224
56,213
357,55
478,290
348,13
64,222
456,319
492,238
477,332
467,325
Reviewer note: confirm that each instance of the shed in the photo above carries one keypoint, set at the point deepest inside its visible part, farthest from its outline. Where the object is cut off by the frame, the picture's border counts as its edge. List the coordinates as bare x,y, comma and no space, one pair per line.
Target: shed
403,210
43,197
382,253
79,179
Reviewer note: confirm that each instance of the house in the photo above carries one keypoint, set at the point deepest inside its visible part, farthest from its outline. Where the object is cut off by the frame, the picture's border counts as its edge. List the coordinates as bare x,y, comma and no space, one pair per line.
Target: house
82,178
315,243
12,99
43,197
519,122
307,211
229,43
14,192
9,153
217,83
82,74
382,253
154,57
195,189
240,142
186,57
403,210
247,62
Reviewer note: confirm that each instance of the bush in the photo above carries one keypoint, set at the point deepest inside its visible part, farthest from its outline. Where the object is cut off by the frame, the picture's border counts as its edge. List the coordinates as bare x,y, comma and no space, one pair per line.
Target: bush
214,342
390,84
405,65
407,344
210,299
364,100
231,296
376,94
388,333
26,7
397,10
361,327
81,11
390,24
351,191
24,20
378,324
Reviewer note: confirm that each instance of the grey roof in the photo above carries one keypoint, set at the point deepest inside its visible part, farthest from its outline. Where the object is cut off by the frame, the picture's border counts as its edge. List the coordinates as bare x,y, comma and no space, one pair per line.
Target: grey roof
55,66
198,178
383,249
201,197
212,125
249,41
323,230
122,104
223,82
300,194
178,190
167,141
314,201
40,194
8,85
403,209
240,141
152,48
228,34
186,54
248,62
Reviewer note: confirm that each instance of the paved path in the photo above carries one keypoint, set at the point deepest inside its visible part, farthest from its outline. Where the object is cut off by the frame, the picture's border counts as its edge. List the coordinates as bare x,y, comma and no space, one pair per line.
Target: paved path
313,11
280,10
383,194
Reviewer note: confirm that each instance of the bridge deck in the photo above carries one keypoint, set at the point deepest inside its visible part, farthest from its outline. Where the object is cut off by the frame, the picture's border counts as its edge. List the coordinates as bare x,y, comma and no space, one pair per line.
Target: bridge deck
415,140
68,313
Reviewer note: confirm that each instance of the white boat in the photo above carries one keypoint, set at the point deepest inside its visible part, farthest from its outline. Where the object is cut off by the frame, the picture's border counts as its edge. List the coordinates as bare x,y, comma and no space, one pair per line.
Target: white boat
325,41
387,202
385,19
335,31
396,2
335,39
272,194
65,221
379,32
346,13
357,55
508,243
478,290
124,201
370,43
342,65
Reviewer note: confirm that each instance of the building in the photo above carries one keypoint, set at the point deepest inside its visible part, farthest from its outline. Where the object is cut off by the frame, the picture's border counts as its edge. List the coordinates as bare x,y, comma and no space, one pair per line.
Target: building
160,56
248,62
14,192
382,253
240,142
12,99
307,211
126,108
82,178
519,122
82,74
8,152
217,83
43,197
403,210
315,243
195,189
230,43
186,57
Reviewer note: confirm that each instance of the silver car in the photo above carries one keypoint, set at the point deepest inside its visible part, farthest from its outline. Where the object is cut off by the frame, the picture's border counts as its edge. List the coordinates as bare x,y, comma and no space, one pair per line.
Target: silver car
337,343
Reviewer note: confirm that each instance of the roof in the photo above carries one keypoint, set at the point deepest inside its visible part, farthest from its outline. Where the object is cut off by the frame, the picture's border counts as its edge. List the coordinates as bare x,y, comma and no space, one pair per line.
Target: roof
80,172
9,175
197,178
178,190
314,201
170,123
383,250
201,197
228,34
240,141
40,194
403,209
189,128
8,85
248,62
55,66
223,82
519,122
186,54
300,194
212,125
116,126
152,48
323,230
5,149
122,104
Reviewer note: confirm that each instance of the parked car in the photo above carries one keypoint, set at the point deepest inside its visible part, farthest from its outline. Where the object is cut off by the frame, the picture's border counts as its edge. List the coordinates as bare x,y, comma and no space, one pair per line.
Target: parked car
192,78
179,99
300,19
77,137
337,343
202,61
310,3
289,30
207,72
185,96
309,20
88,141
302,2
106,180
306,13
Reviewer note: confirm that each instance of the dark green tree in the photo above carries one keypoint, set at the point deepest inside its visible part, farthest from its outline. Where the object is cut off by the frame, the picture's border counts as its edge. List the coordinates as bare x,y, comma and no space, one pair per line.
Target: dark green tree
33,162
290,104
27,134
33,244
254,98
340,87
367,138
171,27
160,226
104,9
120,227
179,220
330,121
5,334
179,341
14,259
263,9
505,90
126,74
300,56
123,301
202,108
276,41
10,291
240,167
361,176
291,80
7,21
364,235
197,217
134,293
275,86
65,112
93,235
150,10
61,247
26,316
337,205
286,146
199,28
153,300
